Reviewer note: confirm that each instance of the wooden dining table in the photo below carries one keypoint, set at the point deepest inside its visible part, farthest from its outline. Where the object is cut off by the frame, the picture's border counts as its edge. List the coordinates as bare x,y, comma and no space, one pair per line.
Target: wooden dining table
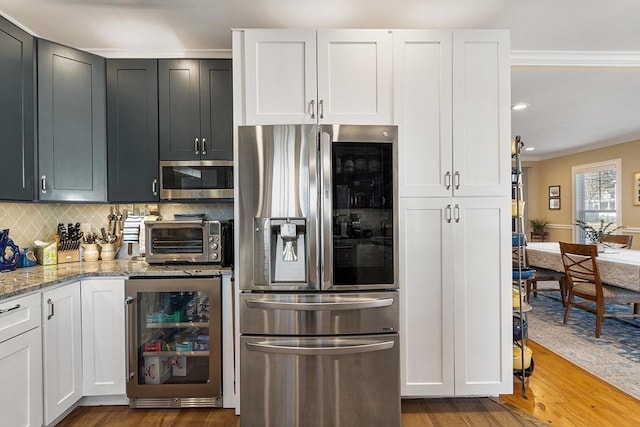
618,267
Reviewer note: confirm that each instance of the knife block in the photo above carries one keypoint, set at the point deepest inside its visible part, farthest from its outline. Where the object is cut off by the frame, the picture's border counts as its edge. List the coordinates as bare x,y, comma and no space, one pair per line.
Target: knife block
71,255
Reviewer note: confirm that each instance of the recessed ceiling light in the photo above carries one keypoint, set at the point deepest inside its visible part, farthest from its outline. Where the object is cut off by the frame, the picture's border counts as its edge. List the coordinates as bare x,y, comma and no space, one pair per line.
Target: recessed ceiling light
520,106
529,148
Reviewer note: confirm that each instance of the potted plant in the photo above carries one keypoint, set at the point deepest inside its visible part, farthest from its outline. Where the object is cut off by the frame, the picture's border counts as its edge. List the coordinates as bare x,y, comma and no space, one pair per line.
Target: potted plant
538,227
595,236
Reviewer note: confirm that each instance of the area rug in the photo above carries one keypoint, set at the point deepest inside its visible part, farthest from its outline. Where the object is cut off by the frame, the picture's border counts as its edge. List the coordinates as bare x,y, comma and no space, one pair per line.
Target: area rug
614,357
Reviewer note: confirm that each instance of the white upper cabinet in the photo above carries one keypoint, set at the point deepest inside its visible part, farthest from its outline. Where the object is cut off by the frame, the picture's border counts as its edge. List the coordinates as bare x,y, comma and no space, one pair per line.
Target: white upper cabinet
307,76
451,98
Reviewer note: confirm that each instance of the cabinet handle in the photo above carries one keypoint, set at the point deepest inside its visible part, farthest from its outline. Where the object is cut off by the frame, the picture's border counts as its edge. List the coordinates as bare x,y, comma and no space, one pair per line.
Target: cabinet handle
195,146
313,109
321,108
154,187
43,184
457,179
15,307
51,309
204,146
447,180
456,212
447,213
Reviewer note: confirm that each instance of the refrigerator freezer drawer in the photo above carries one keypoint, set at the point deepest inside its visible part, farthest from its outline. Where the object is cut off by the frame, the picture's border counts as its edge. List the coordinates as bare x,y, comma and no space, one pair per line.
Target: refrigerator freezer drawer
314,382
319,314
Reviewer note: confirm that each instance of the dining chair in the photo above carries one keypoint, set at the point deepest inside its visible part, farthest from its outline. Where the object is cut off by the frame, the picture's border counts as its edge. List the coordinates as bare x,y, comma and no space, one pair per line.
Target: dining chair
541,275
583,281
620,240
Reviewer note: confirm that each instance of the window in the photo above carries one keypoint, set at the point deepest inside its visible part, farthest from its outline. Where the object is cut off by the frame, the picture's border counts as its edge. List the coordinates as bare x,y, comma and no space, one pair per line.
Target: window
596,192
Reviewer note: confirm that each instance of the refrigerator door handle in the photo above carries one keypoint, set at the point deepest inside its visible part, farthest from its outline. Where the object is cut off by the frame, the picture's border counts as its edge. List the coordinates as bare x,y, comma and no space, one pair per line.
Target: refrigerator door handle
326,261
321,306
283,348
127,322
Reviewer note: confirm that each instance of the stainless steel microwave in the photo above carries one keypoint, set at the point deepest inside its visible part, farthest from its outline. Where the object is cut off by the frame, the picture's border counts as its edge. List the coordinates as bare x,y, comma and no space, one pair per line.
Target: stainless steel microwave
196,179
189,241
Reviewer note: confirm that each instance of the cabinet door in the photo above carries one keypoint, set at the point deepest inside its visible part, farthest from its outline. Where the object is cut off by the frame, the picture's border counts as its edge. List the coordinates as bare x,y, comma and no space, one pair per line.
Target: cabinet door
132,121
179,109
72,149
21,373
426,290
422,111
17,136
216,109
481,113
355,76
280,77
61,330
103,337
482,307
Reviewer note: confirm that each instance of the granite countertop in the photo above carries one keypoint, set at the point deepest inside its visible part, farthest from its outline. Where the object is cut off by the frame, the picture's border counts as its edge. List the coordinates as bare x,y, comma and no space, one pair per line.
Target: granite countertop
24,280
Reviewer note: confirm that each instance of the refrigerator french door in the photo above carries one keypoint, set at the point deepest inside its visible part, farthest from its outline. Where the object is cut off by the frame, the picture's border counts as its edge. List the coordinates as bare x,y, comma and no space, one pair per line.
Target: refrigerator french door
318,274
174,342
324,199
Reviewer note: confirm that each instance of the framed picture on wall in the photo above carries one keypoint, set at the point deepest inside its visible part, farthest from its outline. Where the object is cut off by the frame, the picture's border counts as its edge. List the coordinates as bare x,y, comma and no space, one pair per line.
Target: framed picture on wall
636,188
554,204
554,191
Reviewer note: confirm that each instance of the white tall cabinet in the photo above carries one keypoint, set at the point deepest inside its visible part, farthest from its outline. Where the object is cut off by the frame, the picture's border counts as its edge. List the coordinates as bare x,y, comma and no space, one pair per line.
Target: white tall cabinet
308,76
450,97
451,104
103,337
62,349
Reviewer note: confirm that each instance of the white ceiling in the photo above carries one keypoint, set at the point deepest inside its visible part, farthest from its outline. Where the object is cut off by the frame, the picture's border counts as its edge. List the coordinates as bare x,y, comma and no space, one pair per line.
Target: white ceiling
577,63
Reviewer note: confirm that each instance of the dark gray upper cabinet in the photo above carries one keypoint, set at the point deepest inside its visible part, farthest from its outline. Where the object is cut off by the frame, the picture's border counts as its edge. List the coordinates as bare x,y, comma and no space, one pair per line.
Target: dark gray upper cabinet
195,109
72,146
132,129
17,114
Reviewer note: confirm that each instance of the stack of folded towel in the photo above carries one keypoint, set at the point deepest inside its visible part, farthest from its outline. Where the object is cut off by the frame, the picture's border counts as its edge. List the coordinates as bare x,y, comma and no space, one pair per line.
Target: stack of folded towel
131,231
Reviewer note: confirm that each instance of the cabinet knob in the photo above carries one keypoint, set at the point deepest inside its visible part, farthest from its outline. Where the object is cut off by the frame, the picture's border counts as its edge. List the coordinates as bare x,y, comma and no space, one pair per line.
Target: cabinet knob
43,184
154,187
204,146
321,108
195,146
313,109
457,179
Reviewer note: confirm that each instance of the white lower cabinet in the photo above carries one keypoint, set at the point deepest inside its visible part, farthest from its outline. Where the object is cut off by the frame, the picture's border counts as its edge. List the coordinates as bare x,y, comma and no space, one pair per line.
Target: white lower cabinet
21,363
454,287
62,349
103,337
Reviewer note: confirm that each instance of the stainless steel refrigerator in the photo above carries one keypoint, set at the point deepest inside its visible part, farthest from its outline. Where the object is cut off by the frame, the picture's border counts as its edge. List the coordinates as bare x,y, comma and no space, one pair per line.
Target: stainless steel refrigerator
318,273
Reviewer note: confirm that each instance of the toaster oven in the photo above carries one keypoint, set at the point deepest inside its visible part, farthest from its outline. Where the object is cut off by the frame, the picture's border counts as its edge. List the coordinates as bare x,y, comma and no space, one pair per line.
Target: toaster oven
189,241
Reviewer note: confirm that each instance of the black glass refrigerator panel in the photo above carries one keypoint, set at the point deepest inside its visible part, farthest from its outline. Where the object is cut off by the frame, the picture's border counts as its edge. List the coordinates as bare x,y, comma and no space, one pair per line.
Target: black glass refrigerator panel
362,215
173,337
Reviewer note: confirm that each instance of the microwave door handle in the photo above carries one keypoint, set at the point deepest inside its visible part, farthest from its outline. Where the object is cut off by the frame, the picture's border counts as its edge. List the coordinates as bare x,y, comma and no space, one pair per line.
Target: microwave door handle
321,306
292,348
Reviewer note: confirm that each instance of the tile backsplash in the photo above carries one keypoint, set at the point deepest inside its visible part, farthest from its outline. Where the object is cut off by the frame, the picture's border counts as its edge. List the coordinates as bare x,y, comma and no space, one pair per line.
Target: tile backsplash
39,221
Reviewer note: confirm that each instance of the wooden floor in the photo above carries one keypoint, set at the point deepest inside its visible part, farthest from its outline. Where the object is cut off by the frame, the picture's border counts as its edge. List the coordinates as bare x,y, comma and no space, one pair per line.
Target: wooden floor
558,393
562,394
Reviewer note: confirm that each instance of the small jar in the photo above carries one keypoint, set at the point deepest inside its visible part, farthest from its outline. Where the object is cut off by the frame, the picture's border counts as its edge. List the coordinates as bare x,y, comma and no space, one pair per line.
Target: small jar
108,252
90,252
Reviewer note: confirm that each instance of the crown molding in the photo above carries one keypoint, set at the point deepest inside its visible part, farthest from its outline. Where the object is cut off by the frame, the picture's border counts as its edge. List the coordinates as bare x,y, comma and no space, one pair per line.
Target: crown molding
575,58
161,54
582,148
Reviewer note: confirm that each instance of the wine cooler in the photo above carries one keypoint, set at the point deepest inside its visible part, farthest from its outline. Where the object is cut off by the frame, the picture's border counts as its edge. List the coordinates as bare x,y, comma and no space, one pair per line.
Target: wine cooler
174,342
